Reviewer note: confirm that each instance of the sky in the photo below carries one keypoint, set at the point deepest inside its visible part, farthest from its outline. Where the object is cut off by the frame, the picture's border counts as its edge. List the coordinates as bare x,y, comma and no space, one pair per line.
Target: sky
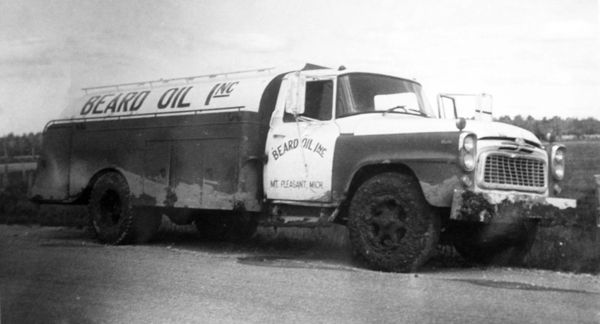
536,57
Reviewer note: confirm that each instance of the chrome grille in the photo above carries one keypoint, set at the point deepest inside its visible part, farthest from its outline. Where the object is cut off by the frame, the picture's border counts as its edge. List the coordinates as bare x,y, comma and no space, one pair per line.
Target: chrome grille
504,171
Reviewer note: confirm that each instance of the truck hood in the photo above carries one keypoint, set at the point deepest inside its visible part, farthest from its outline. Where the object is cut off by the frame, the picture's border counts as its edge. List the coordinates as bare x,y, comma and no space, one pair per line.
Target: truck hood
379,124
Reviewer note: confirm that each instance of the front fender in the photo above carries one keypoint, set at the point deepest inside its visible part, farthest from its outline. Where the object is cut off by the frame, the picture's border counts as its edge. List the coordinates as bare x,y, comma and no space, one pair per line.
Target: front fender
431,157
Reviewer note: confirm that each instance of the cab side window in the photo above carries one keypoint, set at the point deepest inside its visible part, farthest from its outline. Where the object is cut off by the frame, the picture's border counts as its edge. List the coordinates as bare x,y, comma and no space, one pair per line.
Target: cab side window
318,101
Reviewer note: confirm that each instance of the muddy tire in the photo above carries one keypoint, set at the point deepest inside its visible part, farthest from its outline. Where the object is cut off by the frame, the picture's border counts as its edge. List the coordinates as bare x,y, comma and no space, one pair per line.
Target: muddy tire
112,218
500,244
391,226
110,210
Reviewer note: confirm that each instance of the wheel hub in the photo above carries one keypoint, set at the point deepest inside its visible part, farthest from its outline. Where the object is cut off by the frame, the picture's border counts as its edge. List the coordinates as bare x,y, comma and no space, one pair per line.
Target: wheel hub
387,223
110,210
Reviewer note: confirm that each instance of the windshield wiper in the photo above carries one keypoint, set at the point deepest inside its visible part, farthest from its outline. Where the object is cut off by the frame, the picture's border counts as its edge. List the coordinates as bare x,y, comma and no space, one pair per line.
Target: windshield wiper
359,113
394,109
408,111
418,112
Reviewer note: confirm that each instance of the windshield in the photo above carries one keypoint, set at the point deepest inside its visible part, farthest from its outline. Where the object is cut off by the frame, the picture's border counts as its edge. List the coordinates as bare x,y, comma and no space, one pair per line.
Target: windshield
366,93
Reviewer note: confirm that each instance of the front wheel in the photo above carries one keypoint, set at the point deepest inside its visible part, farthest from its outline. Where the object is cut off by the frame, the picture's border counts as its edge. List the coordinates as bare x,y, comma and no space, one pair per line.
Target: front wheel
391,226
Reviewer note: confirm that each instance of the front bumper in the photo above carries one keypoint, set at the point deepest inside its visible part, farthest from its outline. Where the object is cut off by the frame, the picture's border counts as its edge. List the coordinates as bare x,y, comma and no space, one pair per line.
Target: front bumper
501,206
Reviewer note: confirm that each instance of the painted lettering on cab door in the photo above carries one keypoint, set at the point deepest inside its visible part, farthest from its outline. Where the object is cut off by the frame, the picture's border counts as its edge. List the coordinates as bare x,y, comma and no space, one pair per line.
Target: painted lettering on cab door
307,144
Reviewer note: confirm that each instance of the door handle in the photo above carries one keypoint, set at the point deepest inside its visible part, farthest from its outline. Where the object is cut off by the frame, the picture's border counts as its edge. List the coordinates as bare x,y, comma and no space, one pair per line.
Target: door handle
278,135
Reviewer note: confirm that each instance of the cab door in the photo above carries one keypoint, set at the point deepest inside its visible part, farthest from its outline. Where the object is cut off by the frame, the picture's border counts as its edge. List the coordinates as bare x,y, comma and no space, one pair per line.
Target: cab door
301,140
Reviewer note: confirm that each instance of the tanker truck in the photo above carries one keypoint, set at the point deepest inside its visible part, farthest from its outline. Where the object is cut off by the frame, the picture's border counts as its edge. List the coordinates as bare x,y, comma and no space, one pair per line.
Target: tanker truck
310,146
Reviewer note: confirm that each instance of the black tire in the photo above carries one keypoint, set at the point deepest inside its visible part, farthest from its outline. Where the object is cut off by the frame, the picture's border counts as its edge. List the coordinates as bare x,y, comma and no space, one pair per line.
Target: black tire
503,244
391,225
112,218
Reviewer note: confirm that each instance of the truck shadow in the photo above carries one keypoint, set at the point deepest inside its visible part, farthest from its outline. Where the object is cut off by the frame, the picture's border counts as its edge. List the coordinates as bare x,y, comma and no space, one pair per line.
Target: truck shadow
313,248
285,247
325,248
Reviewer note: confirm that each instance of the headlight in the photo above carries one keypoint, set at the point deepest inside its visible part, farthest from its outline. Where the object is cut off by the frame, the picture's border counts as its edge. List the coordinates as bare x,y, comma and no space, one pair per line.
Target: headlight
469,162
557,160
468,151
469,143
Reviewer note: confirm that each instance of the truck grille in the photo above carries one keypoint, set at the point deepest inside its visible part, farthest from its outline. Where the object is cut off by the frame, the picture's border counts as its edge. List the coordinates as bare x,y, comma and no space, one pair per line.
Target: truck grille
506,172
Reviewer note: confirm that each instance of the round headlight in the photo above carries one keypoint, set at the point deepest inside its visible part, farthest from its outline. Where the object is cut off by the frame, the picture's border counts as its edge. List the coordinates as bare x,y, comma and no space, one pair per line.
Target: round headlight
469,162
469,144
468,151
559,156
559,172
558,162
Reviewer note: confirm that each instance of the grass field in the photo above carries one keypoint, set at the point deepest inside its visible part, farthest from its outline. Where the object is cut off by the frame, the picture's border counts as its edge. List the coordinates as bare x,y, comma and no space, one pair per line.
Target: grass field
583,162
572,244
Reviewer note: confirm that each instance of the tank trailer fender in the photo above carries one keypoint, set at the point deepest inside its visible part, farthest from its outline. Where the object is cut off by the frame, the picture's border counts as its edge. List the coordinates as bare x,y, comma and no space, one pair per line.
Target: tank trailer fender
134,182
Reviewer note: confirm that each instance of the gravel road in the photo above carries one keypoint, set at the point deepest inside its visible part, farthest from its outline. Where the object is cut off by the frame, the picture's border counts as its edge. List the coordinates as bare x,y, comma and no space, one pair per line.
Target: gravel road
58,275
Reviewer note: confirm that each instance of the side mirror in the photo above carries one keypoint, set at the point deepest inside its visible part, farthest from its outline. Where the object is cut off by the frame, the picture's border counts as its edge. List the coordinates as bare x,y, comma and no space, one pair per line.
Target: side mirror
446,106
485,110
294,99
469,106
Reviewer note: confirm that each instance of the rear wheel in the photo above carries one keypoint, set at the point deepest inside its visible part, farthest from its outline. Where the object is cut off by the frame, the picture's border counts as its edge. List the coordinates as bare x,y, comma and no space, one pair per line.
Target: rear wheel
498,243
113,220
390,224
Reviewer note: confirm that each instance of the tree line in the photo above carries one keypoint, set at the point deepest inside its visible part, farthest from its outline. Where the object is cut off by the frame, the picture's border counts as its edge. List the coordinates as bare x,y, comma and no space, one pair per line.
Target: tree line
13,145
558,126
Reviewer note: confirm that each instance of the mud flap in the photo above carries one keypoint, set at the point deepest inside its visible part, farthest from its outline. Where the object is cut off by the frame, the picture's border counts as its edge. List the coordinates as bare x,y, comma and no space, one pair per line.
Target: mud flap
504,207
